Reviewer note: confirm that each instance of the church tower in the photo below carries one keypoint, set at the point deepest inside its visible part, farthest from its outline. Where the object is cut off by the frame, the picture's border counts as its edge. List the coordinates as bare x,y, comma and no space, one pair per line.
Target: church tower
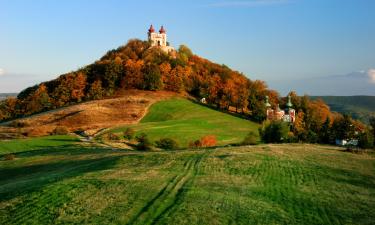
159,39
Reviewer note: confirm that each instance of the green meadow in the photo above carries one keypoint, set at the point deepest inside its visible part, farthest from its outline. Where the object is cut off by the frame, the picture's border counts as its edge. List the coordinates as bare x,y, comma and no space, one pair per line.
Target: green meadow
62,180
186,121
75,183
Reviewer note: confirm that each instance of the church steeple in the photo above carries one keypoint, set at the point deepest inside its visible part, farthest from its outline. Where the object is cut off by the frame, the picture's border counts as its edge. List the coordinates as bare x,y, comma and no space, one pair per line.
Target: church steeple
162,30
289,104
151,29
267,103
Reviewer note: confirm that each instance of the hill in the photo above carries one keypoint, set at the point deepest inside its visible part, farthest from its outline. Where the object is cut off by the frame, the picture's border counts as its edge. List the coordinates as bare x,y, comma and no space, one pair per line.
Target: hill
59,180
186,122
91,117
360,107
136,65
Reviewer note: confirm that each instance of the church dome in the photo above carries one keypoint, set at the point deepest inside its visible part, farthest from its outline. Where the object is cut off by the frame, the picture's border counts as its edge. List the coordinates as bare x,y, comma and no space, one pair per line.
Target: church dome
162,31
151,30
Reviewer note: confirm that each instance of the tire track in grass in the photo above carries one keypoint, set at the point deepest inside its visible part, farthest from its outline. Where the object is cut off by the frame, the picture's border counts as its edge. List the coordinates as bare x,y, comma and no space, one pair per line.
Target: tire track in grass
163,203
182,191
149,207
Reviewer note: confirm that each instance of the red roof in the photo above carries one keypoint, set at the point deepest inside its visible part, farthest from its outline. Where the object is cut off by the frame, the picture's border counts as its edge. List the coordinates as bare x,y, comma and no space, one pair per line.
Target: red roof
162,31
151,30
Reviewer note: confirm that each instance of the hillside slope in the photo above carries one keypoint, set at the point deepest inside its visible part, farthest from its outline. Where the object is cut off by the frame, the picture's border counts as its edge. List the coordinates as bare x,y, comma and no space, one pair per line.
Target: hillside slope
360,107
91,116
186,121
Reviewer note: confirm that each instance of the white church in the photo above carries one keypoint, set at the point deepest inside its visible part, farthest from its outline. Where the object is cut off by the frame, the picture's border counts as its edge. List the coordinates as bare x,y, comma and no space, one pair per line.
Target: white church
159,39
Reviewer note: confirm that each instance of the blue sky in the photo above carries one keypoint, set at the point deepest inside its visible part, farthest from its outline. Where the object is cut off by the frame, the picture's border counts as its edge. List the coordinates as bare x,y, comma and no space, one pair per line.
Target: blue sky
271,40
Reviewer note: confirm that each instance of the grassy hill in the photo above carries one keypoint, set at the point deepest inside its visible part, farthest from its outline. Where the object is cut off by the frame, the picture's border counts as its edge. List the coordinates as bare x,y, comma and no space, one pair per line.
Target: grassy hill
69,182
186,121
360,107
126,108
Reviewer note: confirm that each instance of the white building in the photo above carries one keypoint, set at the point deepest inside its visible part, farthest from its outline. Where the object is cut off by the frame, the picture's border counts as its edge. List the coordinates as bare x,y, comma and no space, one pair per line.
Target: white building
159,39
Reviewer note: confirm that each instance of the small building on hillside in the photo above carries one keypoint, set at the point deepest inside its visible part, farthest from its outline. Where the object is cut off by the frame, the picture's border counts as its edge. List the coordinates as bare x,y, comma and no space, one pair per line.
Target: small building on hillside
159,39
286,115
347,142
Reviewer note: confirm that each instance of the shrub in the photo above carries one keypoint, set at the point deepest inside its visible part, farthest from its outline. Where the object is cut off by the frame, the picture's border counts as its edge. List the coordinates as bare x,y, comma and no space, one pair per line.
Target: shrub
129,133
167,143
250,139
113,137
208,141
195,144
144,143
60,130
274,132
9,156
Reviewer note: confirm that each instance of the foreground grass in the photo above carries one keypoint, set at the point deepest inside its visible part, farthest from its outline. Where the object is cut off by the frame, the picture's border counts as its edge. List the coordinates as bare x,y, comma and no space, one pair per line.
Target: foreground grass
266,184
186,121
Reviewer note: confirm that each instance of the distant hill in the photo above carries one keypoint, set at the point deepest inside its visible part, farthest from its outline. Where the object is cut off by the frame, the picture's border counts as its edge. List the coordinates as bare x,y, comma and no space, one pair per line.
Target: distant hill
5,95
356,83
360,107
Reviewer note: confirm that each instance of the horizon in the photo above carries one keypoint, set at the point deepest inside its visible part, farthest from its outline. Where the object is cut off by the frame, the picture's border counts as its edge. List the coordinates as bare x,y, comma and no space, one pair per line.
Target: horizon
282,42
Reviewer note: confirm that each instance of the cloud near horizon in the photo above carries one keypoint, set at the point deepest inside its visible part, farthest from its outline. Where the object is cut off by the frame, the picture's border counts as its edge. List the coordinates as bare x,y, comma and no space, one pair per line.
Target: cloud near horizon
371,75
2,71
249,3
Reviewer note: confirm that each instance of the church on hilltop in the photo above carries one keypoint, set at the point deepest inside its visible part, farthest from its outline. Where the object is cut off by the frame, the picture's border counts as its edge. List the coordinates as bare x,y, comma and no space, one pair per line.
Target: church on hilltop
159,39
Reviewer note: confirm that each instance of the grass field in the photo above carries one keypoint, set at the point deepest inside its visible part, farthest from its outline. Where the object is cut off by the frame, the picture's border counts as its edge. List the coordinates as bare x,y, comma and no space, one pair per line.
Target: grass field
70,183
186,121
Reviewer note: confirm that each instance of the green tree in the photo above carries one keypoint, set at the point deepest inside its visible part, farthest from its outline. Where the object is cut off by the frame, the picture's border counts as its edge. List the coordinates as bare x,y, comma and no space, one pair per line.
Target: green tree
111,78
152,78
325,132
366,139
167,143
372,127
274,131
343,128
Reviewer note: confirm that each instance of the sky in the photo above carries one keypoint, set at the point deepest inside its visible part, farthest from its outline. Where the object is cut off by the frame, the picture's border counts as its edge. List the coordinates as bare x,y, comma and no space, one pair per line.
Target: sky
272,40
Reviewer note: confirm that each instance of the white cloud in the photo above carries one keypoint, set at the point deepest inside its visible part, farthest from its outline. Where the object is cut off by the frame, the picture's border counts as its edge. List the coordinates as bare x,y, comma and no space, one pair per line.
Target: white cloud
371,75
248,3
2,72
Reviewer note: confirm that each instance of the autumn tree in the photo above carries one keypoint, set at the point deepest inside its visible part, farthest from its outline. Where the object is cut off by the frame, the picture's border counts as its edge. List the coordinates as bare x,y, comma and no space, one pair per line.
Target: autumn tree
38,101
95,91
133,76
79,85
184,53
173,81
8,108
257,93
